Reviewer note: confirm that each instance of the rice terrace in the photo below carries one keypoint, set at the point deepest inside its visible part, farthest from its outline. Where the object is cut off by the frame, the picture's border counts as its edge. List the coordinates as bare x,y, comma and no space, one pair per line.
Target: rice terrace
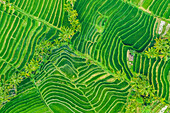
84,56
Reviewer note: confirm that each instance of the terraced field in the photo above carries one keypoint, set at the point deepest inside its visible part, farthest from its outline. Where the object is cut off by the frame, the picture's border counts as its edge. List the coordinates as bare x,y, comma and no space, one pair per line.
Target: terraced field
19,36
80,76
157,71
157,7
47,11
110,31
68,84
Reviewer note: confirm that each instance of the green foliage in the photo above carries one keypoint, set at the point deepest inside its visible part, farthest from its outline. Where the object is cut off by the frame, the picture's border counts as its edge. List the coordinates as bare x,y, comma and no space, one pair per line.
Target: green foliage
141,96
72,15
44,49
42,52
41,55
66,34
68,31
72,2
161,48
41,75
8,88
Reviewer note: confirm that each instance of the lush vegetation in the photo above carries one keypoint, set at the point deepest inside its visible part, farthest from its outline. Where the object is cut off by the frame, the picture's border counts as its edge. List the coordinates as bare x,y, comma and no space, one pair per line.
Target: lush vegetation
98,56
161,48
